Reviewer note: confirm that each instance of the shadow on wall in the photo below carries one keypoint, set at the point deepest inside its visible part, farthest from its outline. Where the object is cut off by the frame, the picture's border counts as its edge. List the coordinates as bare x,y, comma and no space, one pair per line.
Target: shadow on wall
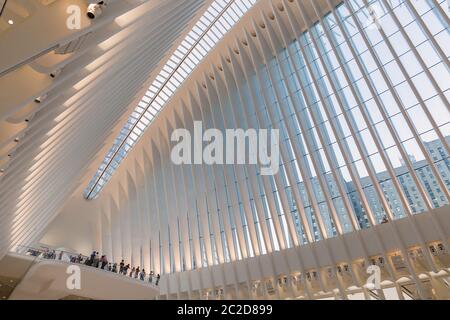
75,227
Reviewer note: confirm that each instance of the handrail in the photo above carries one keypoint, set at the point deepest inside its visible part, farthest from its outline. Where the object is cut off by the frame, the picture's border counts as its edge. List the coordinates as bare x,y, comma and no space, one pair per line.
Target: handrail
50,252
45,253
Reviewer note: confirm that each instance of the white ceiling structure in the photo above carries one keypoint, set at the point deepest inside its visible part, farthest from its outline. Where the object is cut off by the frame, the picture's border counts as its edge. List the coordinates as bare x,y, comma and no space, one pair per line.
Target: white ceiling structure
51,128
216,21
310,68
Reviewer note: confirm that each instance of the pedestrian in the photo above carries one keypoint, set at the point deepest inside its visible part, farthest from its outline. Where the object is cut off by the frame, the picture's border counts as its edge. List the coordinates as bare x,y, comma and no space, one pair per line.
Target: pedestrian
122,265
104,262
125,269
136,275
96,261
142,275
150,276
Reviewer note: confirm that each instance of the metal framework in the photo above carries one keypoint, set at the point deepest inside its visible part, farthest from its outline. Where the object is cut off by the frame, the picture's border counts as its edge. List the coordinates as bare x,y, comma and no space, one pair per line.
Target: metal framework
364,121
46,147
359,90
220,17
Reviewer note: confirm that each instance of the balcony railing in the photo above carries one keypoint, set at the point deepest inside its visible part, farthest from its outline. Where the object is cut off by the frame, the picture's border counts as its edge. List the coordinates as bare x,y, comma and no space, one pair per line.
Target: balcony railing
45,253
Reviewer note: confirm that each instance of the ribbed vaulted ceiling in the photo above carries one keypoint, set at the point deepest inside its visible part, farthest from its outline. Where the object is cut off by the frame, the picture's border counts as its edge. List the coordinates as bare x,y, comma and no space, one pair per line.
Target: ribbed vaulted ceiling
51,128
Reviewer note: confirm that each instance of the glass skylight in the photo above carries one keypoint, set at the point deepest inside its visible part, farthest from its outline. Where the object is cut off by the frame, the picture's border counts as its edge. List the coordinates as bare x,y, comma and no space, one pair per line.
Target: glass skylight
218,19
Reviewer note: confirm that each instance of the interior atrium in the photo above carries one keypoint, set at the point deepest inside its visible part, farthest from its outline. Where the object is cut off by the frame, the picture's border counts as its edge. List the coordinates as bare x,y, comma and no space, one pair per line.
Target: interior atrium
225,149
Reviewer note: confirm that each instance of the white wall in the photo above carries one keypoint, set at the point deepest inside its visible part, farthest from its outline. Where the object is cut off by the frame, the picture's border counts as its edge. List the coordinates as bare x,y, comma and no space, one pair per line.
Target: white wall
75,227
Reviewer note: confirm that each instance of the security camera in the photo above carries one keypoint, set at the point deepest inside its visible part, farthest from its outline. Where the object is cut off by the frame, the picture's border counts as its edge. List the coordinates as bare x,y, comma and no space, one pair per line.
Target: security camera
41,98
94,10
55,73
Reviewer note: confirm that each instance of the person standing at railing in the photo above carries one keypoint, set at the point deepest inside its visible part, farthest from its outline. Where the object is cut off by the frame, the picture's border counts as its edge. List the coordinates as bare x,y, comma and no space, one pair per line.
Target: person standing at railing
96,261
125,269
132,272
150,277
121,266
103,261
157,279
142,275
136,275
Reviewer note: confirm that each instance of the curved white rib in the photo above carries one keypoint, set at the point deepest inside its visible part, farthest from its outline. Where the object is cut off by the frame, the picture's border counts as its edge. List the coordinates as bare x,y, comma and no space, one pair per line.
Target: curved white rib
221,16
42,163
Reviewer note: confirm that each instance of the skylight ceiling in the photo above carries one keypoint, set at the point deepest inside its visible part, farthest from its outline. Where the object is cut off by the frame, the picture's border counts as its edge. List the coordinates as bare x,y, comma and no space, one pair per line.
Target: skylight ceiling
220,17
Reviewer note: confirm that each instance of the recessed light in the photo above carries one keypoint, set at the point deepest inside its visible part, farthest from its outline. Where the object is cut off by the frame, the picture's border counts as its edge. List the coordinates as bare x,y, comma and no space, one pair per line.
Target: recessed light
10,21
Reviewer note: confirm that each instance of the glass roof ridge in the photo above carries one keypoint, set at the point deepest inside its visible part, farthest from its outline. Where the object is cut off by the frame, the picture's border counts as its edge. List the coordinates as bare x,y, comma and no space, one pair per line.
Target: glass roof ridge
215,22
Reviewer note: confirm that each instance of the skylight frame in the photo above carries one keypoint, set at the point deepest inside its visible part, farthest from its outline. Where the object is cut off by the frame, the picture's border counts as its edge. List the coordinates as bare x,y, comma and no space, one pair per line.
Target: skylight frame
181,65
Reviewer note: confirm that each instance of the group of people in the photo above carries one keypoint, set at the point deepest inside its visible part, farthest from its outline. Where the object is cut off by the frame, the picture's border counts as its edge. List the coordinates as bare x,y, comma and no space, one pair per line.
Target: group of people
94,260
97,261
47,254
